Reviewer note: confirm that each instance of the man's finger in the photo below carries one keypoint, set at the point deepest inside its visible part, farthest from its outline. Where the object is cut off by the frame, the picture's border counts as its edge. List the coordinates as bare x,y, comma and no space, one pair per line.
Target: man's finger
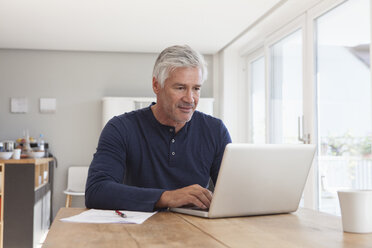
208,194
197,202
203,196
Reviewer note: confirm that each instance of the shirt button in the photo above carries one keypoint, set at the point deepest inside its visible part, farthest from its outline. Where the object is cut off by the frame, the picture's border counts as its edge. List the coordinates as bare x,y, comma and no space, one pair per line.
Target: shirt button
173,153
170,130
173,140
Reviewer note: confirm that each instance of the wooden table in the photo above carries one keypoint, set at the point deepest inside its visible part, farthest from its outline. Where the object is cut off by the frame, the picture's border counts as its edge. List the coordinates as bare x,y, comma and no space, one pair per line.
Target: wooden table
305,228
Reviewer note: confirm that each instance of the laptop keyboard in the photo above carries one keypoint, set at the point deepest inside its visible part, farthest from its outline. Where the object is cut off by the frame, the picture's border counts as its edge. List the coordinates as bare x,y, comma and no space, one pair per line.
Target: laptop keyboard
197,208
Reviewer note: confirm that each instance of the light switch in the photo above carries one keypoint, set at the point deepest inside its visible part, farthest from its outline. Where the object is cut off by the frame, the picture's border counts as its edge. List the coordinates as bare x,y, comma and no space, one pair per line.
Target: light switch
48,105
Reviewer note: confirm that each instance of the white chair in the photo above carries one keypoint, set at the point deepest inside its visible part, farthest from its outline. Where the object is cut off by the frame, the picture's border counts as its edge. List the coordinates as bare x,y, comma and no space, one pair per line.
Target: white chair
76,180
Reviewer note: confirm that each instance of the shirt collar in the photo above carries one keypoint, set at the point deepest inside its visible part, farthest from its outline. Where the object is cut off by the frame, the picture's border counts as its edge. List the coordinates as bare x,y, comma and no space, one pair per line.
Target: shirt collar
154,120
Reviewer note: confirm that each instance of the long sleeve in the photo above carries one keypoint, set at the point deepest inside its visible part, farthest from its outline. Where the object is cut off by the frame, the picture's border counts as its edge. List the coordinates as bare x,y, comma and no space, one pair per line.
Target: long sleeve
104,187
223,141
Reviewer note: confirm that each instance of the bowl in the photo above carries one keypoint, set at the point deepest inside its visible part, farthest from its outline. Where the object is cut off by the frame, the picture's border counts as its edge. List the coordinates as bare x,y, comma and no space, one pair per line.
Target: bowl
6,155
35,154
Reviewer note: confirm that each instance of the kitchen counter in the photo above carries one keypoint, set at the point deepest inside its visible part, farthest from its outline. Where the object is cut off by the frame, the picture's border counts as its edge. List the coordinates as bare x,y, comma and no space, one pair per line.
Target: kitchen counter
26,161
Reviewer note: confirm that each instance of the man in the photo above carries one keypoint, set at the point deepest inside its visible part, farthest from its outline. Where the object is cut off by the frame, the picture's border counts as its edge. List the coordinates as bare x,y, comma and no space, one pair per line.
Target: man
163,155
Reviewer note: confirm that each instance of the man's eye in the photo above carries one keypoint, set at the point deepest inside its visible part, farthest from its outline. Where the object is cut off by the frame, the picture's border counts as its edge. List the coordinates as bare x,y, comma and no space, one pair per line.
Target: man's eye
197,88
180,88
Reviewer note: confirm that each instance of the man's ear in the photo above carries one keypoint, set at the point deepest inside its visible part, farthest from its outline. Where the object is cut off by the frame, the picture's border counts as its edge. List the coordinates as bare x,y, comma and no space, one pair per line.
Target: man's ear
155,85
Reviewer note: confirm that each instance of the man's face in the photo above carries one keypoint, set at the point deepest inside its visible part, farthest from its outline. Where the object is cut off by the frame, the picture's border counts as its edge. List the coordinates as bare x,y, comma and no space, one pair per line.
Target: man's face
180,94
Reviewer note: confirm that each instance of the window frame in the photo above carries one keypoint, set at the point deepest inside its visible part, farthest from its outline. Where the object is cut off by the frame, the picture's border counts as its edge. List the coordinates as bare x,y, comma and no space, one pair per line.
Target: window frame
257,54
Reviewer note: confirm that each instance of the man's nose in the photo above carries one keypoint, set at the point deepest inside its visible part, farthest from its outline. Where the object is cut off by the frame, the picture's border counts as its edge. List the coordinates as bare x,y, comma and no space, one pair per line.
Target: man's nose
189,97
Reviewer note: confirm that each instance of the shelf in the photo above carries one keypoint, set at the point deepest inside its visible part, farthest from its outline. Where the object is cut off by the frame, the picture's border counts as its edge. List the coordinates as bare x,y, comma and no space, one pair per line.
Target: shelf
41,174
1,202
29,180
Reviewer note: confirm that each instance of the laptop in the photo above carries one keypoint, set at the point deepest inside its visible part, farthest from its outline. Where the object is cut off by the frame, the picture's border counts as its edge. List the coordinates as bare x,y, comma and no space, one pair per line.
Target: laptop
258,180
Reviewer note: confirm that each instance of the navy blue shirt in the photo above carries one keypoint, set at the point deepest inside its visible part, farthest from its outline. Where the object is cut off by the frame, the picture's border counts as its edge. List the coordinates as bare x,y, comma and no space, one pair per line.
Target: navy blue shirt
138,158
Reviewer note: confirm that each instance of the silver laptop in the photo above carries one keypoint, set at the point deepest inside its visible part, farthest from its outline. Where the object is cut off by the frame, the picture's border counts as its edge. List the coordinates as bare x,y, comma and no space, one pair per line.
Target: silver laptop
258,180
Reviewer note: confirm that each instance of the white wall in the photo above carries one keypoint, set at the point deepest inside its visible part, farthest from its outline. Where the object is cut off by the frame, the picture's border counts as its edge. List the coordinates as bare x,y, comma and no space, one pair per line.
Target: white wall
78,80
232,93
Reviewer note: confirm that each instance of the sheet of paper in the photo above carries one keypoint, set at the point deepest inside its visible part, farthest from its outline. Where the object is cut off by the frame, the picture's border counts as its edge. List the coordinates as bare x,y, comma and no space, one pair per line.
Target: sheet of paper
109,216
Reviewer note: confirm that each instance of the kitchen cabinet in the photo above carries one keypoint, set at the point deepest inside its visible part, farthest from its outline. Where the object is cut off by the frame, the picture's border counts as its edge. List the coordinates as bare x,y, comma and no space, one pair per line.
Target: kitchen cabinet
1,202
25,201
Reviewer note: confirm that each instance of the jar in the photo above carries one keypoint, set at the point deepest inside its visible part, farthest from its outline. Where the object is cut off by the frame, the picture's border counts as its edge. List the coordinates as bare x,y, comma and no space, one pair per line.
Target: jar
8,146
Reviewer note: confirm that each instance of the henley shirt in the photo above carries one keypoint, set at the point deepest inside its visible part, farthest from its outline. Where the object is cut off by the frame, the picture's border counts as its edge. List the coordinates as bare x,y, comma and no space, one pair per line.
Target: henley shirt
138,158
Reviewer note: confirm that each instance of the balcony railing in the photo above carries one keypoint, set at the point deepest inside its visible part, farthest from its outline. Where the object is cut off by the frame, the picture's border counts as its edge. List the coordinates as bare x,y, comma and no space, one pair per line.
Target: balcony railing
340,172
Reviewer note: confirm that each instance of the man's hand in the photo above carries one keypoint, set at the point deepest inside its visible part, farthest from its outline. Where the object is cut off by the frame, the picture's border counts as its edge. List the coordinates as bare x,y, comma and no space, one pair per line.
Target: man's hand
194,195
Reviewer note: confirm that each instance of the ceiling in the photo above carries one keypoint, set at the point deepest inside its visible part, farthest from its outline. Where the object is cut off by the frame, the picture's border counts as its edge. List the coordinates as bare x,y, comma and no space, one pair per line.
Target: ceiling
126,26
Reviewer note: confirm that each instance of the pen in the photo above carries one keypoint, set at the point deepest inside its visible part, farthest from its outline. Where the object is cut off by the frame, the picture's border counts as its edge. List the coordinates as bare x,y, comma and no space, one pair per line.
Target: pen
121,214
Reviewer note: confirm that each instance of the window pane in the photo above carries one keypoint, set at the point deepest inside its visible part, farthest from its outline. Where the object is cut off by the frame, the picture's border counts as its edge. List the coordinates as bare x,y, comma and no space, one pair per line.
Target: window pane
344,101
257,69
286,88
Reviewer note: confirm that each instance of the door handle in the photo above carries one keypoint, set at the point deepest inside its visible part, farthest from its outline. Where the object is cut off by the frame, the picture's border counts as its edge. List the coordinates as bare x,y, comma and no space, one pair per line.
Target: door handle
301,131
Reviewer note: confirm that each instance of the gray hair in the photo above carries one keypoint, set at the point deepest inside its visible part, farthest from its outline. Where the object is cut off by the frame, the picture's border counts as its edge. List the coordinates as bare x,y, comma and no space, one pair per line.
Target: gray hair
175,57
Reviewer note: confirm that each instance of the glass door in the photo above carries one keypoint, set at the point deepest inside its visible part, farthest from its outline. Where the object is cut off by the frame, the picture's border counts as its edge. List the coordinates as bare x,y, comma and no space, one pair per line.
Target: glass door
285,89
343,101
